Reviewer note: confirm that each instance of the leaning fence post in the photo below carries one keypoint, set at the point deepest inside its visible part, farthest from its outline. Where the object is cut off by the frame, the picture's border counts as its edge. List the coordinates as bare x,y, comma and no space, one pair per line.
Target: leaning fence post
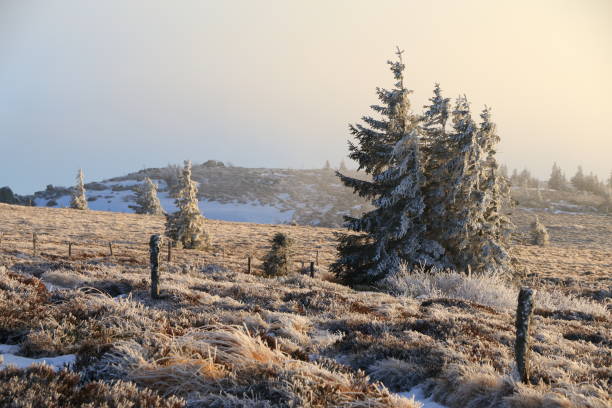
524,312
110,248
312,269
317,258
249,264
69,249
34,241
155,245
1,236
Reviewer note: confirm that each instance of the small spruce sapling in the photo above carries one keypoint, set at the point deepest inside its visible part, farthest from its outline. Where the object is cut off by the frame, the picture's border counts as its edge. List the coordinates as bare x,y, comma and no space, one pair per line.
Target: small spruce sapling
278,260
147,201
79,201
186,227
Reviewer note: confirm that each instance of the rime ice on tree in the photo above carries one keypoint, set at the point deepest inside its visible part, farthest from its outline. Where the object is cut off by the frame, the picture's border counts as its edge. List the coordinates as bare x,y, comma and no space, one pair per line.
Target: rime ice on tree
147,201
438,193
79,201
186,227
392,233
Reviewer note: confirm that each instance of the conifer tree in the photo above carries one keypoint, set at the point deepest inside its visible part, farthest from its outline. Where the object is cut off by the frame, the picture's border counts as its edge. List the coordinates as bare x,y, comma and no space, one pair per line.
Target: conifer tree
147,201
392,234
557,179
436,154
464,202
489,244
186,227
578,181
327,166
342,166
79,201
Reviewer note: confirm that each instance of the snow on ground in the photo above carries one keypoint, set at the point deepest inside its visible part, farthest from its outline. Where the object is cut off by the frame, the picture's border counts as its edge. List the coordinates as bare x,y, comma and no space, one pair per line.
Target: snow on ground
418,395
8,357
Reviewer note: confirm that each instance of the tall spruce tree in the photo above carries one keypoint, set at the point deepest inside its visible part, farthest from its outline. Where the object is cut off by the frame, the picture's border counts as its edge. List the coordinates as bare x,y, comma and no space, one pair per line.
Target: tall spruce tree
147,201
388,150
464,202
186,227
435,156
490,243
79,201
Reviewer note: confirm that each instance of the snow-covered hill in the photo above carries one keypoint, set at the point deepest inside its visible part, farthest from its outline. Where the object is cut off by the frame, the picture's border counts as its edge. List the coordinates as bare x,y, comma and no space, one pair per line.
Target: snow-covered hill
266,196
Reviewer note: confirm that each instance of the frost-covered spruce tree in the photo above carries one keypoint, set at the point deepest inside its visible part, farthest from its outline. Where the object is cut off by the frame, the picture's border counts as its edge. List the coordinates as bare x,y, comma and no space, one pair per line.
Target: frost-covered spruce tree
186,227
435,141
147,201
79,201
489,245
392,234
464,201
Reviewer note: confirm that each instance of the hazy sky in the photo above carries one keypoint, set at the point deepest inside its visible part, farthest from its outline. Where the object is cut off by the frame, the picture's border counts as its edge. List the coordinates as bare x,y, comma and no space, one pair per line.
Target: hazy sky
115,85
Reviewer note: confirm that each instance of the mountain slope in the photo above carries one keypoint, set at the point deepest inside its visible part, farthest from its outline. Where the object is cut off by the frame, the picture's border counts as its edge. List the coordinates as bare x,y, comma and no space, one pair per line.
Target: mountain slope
266,196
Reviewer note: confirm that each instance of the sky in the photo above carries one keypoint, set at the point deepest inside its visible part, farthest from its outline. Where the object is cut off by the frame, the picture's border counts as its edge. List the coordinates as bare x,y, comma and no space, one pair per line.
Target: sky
115,86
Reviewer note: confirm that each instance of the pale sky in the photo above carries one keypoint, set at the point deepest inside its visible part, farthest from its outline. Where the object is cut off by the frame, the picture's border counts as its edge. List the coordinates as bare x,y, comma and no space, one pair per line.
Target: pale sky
115,85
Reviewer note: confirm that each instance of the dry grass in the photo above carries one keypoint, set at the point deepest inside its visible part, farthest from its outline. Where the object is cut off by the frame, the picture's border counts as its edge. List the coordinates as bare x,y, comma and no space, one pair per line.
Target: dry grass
222,338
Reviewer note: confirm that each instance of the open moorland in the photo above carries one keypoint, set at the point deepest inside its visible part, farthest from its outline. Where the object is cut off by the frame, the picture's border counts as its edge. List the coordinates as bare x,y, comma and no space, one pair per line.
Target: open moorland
220,337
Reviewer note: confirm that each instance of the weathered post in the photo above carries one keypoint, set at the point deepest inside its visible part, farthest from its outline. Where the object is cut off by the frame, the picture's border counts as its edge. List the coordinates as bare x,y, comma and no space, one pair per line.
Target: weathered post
317,258
155,244
169,250
524,312
249,264
1,236
69,249
312,269
34,242
110,248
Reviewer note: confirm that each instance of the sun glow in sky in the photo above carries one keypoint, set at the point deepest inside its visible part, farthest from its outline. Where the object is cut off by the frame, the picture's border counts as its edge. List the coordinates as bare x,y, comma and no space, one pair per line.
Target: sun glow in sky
115,85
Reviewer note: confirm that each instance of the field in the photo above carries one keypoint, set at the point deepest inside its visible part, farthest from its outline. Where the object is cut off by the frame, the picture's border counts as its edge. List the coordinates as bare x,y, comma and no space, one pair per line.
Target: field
223,338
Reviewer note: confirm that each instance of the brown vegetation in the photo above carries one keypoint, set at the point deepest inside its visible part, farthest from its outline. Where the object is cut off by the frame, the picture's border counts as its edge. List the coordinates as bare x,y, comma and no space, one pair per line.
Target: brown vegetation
222,338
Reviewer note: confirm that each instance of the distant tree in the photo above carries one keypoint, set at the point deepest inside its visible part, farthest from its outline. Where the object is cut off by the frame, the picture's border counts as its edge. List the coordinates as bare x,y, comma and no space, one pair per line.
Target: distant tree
186,227
578,181
79,201
342,166
278,260
503,171
557,180
327,166
7,196
610,180
147,201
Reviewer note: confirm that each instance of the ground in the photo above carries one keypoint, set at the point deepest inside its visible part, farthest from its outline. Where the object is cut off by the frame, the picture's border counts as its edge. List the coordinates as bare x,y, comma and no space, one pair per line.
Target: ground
223,338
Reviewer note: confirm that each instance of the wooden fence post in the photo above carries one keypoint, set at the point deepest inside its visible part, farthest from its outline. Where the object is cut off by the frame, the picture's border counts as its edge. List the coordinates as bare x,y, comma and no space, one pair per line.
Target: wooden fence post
110,248
249,264
524,312
312,269
155,244
69,249
1,236
169,250
34,242
317,258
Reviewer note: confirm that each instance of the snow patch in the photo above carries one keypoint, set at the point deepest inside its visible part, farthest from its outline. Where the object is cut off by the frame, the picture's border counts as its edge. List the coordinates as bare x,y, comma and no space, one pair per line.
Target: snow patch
417,394
8,357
